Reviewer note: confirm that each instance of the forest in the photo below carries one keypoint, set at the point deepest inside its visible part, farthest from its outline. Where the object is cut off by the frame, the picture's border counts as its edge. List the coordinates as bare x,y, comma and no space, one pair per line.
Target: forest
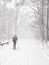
18,16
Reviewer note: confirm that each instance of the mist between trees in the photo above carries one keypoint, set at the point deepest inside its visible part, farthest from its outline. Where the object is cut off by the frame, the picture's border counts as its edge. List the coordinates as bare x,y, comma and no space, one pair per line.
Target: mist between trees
31,15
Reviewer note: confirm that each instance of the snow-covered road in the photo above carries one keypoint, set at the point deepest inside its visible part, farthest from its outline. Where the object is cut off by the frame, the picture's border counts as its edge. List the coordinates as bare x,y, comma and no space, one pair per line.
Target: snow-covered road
27,53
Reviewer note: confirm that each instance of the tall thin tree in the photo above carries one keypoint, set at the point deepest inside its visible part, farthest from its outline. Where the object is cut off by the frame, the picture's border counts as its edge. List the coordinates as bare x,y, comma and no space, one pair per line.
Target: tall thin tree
47,20
42,20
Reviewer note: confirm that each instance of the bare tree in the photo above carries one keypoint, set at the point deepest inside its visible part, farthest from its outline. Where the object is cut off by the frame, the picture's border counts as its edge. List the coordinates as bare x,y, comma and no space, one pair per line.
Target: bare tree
18,5
5,19
47,20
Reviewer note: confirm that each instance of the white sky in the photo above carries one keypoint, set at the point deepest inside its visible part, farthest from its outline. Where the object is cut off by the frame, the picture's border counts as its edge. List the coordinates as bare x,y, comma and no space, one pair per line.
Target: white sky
11,5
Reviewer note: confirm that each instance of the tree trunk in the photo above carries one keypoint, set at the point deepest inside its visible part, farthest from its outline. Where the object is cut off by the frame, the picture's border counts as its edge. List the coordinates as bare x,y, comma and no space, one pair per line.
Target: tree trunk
42,20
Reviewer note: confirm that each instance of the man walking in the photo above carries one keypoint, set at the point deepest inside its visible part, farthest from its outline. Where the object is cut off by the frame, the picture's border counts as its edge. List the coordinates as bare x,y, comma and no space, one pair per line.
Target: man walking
14,41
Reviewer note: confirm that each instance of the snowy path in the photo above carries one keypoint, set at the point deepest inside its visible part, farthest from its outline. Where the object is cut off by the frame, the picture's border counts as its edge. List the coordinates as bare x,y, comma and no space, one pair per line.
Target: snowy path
26,54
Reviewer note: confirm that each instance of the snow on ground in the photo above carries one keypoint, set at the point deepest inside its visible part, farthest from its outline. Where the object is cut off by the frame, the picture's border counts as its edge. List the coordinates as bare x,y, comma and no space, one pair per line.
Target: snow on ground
27,53
44,49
